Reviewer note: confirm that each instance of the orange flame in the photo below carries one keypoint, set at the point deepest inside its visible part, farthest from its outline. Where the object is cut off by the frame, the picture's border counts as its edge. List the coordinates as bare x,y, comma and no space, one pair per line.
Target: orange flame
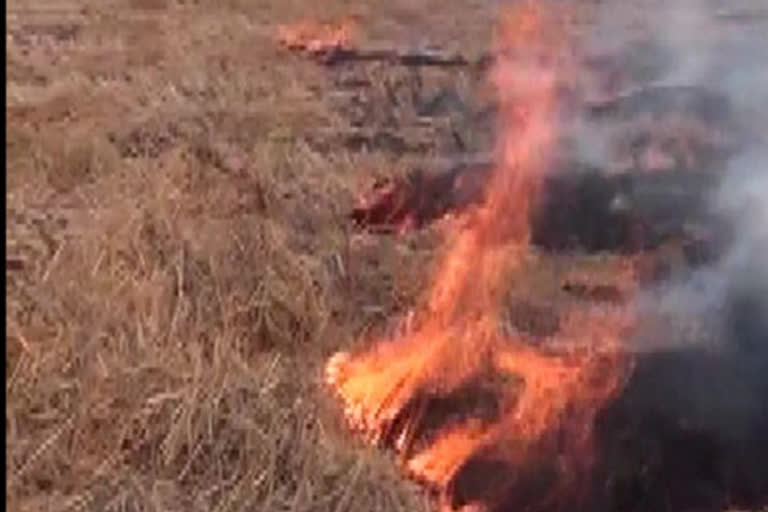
315,37
546,397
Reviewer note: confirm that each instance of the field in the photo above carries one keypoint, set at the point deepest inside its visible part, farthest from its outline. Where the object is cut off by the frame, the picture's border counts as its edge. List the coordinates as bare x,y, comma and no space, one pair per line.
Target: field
179,265
178,262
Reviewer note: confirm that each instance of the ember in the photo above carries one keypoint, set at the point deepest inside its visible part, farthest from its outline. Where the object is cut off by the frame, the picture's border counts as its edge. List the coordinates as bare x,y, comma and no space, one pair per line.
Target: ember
317,38
541,399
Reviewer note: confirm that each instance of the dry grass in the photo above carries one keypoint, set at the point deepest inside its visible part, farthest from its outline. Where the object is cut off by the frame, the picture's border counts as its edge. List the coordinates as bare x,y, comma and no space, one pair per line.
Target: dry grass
178,267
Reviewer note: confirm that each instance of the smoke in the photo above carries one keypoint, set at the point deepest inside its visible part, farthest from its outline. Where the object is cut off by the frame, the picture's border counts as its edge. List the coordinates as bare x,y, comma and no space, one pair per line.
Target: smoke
728,299
703,348
716,47
707,60
700,380
742,197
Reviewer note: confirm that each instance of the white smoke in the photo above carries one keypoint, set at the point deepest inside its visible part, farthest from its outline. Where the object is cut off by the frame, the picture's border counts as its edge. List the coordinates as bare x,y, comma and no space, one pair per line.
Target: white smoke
721,46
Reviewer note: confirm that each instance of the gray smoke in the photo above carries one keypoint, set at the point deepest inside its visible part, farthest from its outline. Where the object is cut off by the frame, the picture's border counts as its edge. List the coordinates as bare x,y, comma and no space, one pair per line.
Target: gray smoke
720,310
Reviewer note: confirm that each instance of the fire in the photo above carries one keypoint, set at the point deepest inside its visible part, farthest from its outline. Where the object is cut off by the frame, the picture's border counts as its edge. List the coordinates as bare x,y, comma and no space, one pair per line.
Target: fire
538,399
315,37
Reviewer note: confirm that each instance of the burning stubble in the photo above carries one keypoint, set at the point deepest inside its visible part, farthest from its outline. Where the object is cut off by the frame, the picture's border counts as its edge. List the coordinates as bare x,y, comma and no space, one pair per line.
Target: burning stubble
542,397
316,38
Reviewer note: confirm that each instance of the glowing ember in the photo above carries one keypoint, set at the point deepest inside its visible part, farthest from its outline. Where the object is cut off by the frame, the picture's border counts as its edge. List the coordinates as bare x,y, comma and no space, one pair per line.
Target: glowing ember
541,398
314,37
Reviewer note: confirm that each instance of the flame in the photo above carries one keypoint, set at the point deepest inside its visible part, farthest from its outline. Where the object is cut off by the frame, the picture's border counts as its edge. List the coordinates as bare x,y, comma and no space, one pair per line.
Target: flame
544,396
314,37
